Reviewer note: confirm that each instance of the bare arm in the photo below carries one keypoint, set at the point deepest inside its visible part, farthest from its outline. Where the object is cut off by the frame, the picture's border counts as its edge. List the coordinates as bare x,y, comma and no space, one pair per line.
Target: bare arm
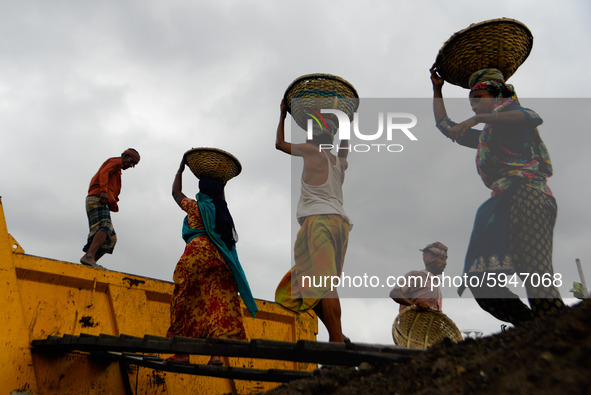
289,148
513,116
455,133
399,294
344,149
501,117
280,142
177,184
398,297
439,111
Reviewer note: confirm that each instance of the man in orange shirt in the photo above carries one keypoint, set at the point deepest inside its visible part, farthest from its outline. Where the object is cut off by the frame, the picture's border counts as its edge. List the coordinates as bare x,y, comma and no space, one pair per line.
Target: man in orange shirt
103,194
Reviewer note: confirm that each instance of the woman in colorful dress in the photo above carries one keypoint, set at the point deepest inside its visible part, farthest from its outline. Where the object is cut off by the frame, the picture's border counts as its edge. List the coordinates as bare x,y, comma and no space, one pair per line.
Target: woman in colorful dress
208,276
513,230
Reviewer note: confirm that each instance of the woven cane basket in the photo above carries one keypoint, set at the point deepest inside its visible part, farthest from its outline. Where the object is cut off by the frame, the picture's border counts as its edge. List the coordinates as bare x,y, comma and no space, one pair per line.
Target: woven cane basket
320,91
502,44
212,163
414,328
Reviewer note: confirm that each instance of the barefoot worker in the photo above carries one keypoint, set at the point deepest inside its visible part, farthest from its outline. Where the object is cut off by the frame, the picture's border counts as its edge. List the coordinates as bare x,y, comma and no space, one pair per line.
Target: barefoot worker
103,195
418,287
513,230
208,276
322,240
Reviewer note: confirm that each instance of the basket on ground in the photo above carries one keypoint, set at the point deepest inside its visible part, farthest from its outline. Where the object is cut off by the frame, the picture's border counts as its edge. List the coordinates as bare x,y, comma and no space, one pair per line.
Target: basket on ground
212,163
502,44
320,91
417,328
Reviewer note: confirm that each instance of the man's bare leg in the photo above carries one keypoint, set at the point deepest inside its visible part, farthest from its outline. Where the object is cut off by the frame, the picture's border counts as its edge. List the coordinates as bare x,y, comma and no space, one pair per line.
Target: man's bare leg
329,312
90,257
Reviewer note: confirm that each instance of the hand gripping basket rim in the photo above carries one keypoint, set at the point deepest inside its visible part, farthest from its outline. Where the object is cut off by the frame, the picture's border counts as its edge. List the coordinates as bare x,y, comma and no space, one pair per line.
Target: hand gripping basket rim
207,162
501,43
419,329
327,90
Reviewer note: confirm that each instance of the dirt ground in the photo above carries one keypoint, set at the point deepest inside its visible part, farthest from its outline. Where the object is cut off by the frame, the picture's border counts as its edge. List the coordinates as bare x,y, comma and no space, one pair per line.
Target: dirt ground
551,355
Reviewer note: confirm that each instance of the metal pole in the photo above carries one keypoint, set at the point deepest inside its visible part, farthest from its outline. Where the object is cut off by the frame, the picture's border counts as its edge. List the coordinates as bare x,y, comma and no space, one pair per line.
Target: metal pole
582,276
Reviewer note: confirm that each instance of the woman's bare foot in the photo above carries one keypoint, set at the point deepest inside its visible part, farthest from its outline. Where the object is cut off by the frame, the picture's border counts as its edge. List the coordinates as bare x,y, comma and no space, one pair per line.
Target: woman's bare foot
215,361
178,358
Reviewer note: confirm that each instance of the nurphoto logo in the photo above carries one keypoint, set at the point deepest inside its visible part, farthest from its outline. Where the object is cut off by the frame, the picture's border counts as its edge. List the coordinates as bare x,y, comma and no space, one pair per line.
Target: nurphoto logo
392,121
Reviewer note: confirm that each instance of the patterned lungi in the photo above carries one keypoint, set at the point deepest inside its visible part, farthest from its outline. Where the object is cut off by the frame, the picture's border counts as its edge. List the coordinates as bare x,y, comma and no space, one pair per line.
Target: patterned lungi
99,218
319,252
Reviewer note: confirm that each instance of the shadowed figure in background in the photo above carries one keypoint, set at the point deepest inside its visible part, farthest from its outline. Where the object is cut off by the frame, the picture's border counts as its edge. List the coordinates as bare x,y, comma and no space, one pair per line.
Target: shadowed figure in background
513,230
322,240
103,195
208,276
418,287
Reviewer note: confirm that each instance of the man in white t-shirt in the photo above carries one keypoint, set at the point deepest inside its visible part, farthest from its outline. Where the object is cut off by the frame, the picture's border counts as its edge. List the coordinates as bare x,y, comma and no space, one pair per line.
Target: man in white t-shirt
322,240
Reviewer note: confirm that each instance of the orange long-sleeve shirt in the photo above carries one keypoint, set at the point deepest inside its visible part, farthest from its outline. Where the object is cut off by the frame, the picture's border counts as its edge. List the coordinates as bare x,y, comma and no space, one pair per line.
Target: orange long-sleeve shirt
108,179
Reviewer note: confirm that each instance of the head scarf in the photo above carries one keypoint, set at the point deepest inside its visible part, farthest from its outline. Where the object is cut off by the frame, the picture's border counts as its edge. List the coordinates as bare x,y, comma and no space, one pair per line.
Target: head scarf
132,153
486,75
224,224
492,80
433,251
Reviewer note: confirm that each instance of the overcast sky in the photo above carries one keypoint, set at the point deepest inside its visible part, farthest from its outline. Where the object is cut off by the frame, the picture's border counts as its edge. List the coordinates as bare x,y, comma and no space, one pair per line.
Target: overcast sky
82,81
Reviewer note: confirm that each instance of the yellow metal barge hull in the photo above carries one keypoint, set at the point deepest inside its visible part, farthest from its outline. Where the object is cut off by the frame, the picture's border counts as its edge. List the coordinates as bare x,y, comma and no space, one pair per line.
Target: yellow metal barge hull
42,297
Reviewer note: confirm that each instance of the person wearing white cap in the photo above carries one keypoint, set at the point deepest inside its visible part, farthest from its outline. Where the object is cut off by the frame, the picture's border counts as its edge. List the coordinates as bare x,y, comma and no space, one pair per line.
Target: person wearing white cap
418,287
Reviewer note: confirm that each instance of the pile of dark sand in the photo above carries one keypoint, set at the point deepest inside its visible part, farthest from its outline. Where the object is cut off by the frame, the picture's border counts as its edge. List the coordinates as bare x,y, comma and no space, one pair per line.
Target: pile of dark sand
550,355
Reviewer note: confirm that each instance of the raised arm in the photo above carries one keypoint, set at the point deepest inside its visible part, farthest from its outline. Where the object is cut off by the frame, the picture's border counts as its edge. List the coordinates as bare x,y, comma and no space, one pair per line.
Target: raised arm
460,134
343,152
289,148
439,111
280,142
177,184
343,149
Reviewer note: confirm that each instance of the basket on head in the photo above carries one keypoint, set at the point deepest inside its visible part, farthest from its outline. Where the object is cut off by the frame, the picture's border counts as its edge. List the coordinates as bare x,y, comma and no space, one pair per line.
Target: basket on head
212,163
502,44
416,328
320,91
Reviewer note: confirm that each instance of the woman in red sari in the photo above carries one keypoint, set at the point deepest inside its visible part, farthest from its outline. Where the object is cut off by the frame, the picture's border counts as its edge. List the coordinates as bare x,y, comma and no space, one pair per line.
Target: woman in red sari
208,275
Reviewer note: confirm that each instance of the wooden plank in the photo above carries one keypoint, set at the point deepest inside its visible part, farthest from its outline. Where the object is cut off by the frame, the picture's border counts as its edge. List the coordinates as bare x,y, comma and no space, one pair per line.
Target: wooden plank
303,351
157,363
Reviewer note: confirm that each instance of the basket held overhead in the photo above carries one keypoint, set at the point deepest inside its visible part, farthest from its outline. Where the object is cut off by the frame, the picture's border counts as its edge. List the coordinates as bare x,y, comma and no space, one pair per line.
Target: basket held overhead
416,328
213,163
502,44
320,91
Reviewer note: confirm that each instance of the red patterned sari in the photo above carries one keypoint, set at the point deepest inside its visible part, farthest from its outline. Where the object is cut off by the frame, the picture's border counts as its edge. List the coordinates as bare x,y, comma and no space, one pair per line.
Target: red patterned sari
205,301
